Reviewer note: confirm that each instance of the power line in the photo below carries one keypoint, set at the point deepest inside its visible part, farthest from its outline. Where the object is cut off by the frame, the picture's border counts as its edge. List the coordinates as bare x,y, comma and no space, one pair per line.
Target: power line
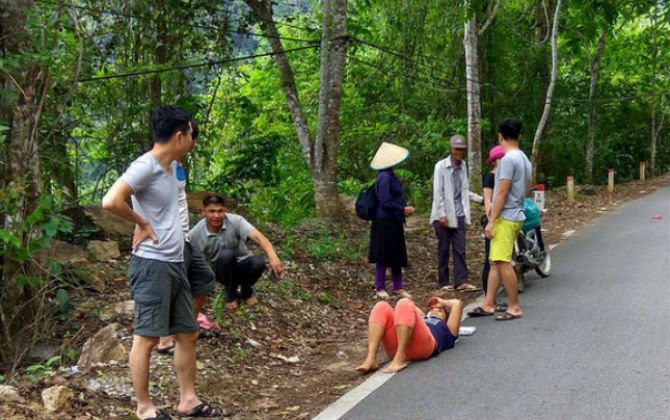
180,24
189,66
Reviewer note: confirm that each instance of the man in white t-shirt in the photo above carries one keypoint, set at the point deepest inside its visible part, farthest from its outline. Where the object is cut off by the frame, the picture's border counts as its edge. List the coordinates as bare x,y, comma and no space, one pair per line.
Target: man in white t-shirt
157,274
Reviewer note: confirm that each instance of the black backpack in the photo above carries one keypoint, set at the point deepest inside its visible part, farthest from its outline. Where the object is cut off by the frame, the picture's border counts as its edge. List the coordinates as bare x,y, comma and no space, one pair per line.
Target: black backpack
366,203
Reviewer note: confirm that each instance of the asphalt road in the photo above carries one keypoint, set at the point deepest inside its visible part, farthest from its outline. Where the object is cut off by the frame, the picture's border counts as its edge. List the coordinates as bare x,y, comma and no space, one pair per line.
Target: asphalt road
594,342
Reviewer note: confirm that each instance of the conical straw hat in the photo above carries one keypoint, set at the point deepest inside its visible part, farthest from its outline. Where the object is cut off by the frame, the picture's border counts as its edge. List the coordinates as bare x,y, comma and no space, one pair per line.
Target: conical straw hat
388,155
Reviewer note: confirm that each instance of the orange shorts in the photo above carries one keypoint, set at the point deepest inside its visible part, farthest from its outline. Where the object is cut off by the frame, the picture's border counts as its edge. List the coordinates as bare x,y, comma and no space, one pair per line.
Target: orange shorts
422,344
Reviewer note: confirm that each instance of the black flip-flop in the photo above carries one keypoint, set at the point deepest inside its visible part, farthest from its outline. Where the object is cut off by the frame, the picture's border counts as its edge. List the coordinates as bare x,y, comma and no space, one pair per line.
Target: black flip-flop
160,415
169,350
479,312
205,410
507,317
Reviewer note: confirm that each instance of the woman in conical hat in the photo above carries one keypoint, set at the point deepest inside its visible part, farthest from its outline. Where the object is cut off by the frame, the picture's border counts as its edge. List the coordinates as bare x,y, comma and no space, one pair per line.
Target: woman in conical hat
387,236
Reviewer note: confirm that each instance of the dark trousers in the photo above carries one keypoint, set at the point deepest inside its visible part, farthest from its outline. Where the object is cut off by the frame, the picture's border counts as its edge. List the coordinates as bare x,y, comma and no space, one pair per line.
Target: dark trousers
487,265
454,237
233,274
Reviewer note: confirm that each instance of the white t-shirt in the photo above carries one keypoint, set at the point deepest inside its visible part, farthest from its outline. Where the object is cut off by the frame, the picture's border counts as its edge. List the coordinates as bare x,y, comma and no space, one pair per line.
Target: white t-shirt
155,199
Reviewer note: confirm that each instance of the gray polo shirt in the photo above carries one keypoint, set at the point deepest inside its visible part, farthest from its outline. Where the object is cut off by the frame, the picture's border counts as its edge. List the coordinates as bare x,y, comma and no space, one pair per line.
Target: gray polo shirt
233,235
155,200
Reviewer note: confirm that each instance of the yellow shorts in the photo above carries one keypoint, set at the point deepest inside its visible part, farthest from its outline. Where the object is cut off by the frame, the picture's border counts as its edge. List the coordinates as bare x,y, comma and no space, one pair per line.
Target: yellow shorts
502,243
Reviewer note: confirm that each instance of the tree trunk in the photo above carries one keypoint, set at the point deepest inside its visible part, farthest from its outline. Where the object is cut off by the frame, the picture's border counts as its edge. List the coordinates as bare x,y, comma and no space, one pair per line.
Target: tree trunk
590,140
327,137
29,83
320,153
263,8
474,101
550,91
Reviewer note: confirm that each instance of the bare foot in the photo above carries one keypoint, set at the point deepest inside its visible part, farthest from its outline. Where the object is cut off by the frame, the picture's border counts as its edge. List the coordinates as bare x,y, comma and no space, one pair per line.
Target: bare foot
251,301
395,366
368,366
232,305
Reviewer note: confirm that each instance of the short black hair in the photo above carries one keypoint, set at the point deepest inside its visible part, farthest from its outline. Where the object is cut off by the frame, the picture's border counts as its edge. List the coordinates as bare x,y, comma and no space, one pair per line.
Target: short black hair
213,199
510,129
167,120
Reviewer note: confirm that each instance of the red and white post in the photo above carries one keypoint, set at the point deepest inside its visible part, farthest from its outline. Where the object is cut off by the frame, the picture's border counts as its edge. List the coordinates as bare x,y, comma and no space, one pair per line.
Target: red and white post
571,189
610,180
642,170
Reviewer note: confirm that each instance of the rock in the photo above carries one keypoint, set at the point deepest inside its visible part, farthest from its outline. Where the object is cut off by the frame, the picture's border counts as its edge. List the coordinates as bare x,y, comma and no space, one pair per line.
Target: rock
124,309
102,250
10,394
58,398
112,227
103,347
90,274
66,253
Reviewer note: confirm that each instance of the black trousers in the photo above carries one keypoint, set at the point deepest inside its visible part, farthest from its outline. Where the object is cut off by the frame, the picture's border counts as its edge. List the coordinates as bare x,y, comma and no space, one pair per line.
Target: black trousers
454,238
487,265
233,274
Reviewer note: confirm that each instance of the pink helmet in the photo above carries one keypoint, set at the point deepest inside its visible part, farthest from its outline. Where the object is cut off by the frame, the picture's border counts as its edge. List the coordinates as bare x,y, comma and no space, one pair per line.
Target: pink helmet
496,153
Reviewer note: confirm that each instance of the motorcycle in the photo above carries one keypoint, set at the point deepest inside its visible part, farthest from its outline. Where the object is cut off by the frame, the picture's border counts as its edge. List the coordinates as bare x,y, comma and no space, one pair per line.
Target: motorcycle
530,251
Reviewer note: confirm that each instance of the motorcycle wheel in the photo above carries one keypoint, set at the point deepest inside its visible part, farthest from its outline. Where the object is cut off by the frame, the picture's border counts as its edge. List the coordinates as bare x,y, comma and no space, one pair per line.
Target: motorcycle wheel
544,268
520,278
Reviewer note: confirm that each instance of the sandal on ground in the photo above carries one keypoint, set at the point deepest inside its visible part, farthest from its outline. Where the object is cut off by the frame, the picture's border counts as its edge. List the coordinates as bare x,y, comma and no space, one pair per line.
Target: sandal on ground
403,295
253,300
169,350
467,288
160,415
205,410
507,317
448,288
479,312
205,333
383,295
500,306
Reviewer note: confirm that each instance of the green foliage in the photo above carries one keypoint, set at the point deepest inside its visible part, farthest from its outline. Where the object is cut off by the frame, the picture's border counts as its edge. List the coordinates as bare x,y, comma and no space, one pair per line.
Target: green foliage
35,372
3,378
328,299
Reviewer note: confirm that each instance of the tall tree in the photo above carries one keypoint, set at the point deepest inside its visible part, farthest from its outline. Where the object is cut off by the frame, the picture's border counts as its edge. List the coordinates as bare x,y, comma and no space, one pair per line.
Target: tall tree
319,151
550,91
24,86
472,84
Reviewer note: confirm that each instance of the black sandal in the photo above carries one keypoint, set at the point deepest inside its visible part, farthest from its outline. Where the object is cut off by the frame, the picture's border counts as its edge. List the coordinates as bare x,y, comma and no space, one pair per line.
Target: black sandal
479,312
160,415
169,350
205,410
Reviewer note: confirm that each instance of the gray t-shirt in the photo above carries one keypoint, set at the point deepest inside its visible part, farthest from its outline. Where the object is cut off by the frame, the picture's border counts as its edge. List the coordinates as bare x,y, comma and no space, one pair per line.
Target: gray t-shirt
516,167
233,235
155,200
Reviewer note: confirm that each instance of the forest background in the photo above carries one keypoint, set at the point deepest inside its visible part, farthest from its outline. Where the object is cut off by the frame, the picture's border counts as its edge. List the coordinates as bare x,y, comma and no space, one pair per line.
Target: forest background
293,98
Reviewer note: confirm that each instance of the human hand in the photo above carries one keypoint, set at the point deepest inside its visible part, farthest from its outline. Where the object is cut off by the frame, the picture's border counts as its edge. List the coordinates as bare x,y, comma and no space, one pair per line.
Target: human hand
141,233
488,230
276,267
409,210
444,222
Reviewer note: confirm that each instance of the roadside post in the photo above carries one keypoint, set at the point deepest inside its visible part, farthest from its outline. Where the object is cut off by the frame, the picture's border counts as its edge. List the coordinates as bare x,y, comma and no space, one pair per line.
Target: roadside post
571,189
642,170
538,197
610,180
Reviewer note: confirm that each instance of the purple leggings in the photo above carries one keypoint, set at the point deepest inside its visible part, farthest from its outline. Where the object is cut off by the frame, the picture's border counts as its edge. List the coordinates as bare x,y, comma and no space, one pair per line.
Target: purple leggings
380,278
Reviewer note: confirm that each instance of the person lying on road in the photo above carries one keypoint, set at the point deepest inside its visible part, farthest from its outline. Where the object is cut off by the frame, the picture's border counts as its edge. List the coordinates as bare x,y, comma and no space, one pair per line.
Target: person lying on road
407,334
